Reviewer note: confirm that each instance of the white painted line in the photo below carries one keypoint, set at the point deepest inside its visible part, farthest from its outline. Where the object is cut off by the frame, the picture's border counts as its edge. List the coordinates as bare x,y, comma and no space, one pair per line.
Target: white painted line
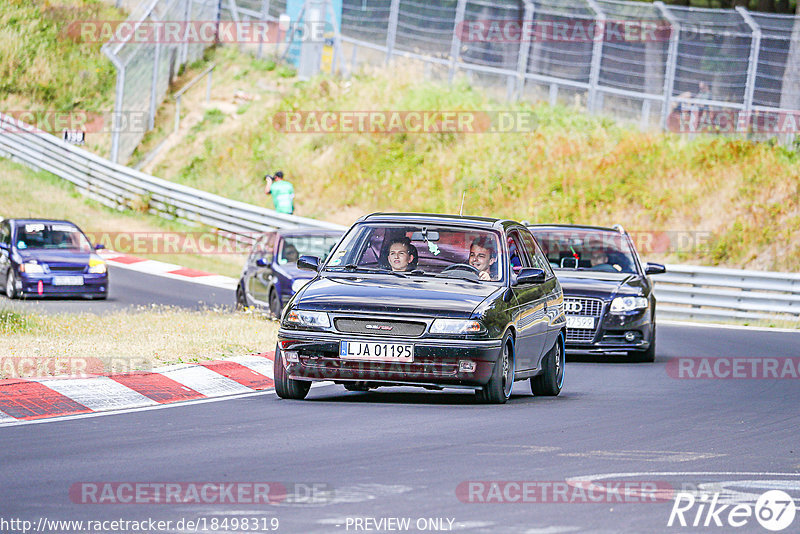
99,394
206,382
729,326
645,456
258,364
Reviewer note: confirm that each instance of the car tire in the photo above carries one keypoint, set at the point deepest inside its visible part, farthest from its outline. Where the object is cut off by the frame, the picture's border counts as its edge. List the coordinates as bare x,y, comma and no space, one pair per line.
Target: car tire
285,387
241,298
550,381
11,288
275,303
498,390
649,355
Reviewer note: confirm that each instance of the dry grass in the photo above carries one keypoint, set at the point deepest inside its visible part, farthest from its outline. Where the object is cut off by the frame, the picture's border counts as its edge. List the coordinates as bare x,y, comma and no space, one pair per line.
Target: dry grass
163,335
25,193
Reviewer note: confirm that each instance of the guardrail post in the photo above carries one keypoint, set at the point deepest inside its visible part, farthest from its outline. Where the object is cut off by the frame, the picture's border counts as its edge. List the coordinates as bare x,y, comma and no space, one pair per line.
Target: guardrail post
672,61
391,31
524,48
597,55
455,45
752,66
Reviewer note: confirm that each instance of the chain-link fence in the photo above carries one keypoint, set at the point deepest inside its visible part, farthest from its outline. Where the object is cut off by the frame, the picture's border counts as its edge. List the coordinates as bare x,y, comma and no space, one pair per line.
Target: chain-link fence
683,69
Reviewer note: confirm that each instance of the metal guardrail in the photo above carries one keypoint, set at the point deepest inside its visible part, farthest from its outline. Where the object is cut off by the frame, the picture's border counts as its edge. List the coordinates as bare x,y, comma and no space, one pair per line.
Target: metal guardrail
120,187
694,292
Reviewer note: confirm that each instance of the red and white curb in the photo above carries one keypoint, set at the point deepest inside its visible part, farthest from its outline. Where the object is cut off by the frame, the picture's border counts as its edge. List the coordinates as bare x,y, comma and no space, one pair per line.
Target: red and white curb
168,270
40,398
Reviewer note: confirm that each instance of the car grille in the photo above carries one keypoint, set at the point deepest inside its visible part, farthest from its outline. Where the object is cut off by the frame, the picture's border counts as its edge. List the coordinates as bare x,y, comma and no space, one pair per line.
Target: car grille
67,268
588,308
379,327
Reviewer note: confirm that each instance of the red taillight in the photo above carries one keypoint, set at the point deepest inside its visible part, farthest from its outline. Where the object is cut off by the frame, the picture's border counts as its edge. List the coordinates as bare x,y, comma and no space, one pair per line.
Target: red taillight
40,287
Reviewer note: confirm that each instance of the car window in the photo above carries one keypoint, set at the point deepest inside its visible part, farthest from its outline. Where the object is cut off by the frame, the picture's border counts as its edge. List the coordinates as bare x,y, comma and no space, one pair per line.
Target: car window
422,249
294,246
51,236
535,256
5,233
516,254
586,249
263,247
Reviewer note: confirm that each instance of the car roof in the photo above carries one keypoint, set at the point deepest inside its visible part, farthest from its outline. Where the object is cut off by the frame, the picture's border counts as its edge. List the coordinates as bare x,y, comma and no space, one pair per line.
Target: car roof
571,227
287,232
44,221
421,218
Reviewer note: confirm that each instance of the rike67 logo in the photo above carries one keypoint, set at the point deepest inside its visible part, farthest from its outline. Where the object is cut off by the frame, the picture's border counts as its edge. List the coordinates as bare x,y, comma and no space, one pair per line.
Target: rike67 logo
774,510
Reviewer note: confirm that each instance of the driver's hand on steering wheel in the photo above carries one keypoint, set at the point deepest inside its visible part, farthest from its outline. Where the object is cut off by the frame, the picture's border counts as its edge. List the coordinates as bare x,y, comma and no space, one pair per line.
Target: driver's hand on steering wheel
484,275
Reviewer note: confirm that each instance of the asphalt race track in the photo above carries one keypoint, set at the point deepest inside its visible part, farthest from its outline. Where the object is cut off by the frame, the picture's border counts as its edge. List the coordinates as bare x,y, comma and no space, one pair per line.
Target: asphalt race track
371,460
131,289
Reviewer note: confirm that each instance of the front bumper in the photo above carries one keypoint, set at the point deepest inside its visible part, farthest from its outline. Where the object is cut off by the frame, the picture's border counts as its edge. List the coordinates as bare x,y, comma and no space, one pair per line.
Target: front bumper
609,337
93,285
436,361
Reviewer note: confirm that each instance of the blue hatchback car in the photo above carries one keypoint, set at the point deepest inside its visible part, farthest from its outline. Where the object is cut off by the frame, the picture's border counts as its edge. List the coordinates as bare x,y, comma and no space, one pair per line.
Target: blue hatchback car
270,277
49,258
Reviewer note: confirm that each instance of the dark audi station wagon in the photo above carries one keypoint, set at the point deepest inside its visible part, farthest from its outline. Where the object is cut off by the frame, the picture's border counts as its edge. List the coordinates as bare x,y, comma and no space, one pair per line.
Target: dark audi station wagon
437,301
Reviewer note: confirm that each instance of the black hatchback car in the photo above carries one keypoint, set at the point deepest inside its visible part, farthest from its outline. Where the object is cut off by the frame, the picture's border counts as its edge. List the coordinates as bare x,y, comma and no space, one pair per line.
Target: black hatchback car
608,295
436,301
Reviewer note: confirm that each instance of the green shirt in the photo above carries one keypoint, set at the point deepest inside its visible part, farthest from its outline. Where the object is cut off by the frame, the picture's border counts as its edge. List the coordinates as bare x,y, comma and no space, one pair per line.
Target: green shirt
282,196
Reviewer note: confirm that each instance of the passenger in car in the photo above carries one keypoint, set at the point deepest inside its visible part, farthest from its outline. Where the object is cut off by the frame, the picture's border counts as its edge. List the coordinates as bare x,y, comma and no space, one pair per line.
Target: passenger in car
483,256
290,253
402,255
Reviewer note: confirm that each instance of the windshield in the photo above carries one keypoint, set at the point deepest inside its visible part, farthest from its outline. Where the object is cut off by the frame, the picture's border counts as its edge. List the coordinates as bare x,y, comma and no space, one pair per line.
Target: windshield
586,250
471,254
61,236
292,247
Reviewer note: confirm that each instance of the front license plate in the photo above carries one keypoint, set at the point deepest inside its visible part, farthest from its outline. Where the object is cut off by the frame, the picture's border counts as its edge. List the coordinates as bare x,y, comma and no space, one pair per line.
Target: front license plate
67,280
376,352
575,321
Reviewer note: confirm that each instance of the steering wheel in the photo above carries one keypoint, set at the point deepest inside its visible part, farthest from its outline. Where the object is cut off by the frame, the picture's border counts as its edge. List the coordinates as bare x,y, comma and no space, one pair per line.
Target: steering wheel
462,267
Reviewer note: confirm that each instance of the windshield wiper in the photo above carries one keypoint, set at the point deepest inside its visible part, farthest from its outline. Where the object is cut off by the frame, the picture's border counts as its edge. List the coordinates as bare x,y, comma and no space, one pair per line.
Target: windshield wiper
353,268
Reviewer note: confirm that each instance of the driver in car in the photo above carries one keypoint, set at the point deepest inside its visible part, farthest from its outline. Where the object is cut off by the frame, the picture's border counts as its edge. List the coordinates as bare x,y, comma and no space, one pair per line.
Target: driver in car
482,256
290,253
402,254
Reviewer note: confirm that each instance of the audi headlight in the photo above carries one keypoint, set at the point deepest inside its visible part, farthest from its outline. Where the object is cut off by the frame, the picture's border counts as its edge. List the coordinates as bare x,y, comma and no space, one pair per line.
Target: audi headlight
308,319
297,285
456,326
97,266
626,304
32,268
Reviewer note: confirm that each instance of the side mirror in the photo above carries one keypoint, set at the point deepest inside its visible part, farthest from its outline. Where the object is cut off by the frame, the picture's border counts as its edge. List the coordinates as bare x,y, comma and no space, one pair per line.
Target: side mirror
530,276
654,268
308,263
262,262
99,246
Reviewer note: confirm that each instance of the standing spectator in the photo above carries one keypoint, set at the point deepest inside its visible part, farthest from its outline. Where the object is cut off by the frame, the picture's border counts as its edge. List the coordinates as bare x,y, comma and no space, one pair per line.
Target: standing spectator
282,193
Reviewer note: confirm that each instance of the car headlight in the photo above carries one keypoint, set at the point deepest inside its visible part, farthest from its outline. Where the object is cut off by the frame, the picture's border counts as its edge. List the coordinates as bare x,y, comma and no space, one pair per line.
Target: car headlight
297,285
32,268
456,326
97,266
625,304
308,318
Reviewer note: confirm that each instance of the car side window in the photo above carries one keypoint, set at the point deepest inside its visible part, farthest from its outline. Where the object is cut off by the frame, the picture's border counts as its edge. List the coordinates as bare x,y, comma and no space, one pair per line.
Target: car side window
5,233
531,251
516,254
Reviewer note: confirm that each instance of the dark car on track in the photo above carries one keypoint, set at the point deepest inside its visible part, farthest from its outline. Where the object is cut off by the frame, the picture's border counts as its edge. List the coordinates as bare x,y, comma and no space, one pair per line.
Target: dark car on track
49,258
432,319
270,276
608,294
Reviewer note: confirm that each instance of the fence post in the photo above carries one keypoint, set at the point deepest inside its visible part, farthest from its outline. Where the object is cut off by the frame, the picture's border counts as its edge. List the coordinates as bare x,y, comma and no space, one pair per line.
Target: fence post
455,46
597,54
391,31
672,61
187,17
264,17
119,96
524,48
752,66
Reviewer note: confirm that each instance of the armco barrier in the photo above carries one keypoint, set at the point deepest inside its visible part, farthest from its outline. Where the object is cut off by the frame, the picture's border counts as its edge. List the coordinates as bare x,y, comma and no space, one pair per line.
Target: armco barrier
118,186
683,292
711,293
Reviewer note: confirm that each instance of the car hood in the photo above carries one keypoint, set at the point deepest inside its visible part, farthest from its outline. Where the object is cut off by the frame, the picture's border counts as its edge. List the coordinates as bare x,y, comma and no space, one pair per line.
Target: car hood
599,284
387,294
55,257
